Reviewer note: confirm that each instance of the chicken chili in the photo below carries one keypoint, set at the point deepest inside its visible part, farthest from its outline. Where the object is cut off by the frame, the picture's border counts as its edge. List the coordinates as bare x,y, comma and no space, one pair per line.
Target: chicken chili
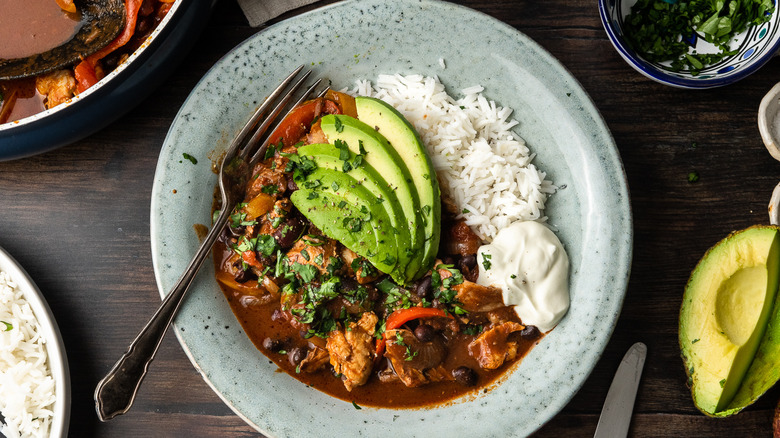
22,98
332,319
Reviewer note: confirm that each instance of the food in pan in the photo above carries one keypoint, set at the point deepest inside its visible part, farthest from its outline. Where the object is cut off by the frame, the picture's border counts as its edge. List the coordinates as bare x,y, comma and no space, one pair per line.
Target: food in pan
26,383
730,322
354,271
21,98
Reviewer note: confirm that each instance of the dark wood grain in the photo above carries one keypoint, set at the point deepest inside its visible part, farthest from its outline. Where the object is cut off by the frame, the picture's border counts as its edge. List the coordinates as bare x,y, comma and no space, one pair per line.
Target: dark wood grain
78,220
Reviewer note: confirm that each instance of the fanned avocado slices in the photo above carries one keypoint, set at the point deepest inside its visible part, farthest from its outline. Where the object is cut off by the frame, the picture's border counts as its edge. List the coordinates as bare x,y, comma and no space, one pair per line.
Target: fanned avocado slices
328,156
346,211
392,183
400,134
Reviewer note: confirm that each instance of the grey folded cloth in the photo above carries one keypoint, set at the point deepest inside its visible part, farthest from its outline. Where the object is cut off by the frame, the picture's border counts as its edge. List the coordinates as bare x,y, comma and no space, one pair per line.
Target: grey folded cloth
260,11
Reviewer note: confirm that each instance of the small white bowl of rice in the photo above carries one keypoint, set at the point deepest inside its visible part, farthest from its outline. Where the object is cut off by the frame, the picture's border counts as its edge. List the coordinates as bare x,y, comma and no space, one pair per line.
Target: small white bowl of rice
34,375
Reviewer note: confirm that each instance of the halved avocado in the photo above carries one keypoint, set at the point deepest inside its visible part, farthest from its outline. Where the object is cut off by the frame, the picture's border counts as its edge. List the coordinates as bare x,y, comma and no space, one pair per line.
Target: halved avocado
729,355
347,209
402,136
386,161
328,156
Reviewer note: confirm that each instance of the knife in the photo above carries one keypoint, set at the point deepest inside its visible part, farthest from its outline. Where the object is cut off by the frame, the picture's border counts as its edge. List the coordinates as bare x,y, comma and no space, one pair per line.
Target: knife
616,413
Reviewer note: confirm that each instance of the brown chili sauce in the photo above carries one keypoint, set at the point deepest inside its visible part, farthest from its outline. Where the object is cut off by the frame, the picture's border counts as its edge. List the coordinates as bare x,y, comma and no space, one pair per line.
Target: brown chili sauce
449,337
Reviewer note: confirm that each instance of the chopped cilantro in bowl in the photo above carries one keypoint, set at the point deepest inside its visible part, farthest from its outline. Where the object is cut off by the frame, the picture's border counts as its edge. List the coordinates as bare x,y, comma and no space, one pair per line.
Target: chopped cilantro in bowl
692,43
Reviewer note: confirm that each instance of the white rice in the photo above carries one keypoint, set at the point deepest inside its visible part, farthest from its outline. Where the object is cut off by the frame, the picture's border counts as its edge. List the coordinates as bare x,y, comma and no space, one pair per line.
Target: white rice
481,163
26,385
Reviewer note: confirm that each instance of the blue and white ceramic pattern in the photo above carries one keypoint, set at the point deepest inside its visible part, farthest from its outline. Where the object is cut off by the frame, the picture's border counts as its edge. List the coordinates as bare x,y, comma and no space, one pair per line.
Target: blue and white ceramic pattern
361,39
755,46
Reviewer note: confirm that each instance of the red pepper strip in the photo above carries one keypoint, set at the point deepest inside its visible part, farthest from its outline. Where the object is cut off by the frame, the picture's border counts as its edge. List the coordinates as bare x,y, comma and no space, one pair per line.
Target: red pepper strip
85,71
300,119
250,259
402,316
85,76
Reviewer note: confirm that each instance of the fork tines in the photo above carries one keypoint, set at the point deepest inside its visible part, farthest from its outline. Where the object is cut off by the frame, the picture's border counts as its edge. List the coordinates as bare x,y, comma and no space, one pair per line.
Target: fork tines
251,142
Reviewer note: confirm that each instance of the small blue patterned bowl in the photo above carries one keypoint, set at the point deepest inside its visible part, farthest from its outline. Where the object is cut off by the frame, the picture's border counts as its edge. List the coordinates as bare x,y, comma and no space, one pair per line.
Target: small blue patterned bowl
755,46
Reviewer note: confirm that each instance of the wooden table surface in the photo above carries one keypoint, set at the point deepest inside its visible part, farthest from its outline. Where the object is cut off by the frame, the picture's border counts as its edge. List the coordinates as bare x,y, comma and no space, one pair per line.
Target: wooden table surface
78,220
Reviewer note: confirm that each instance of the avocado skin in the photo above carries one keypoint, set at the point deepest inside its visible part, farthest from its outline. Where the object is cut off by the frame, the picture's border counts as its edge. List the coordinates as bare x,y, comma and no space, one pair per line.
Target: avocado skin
334,187
749,369
381,156
327,156
402,136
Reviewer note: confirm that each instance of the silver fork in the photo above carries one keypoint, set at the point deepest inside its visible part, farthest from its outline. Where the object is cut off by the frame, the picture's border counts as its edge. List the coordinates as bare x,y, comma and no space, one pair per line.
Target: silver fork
116,392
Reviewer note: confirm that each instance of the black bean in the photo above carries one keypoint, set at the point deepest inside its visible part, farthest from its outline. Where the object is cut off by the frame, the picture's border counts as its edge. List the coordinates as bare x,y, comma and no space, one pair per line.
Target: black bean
288,232
423,289
236,231
450,260
530,332
469,261
273,345
424,333
291,186
296,355
242,276
465,376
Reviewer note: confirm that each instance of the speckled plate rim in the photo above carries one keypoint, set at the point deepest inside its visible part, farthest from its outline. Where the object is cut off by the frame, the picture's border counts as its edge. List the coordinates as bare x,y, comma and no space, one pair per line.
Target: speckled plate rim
559,122
55,347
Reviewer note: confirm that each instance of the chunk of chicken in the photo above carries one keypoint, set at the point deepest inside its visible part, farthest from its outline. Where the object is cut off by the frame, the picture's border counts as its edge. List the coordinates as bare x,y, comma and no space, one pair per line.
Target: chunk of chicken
58,87
319,252
493,347
315,359
478,298
412,359
352,350
474,297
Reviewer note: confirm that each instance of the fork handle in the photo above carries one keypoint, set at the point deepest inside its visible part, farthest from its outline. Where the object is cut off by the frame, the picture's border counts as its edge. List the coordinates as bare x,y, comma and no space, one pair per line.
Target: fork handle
116,392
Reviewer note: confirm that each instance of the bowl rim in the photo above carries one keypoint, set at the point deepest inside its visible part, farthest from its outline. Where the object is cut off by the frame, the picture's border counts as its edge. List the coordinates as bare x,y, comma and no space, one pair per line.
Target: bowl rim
651,72
55,347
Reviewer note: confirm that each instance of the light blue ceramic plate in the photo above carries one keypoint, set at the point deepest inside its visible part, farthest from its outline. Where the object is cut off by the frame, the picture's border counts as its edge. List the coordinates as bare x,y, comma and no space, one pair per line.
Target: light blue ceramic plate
360,39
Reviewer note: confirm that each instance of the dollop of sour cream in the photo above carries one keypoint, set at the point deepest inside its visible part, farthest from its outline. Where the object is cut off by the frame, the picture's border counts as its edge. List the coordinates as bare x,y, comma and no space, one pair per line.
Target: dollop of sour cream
528,263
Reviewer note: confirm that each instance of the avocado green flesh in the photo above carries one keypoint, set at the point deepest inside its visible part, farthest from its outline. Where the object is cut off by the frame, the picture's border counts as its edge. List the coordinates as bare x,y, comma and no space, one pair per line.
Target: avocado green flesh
385,161
728,303
388,122
339,197
327,156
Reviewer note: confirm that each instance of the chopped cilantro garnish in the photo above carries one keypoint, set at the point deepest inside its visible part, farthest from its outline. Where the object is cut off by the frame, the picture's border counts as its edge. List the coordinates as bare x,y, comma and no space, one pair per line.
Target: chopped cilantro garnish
8,326
486,261
307,273
663,30
353,224
693,177
266,245
190,157
338,125
343,149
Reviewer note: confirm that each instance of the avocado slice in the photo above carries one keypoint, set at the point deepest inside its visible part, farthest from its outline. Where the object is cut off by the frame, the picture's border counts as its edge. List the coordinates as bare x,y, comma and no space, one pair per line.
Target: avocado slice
386,161
729,355
328,156
401,135
346,211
